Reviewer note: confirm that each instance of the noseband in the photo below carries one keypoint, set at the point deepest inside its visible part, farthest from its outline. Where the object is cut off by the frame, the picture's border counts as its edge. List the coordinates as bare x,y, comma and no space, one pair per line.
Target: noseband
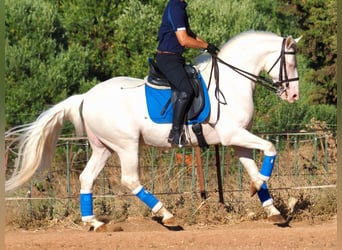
282,70
275,86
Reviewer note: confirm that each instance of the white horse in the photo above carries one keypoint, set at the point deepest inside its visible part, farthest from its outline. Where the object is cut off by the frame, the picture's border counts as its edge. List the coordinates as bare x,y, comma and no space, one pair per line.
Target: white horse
115,117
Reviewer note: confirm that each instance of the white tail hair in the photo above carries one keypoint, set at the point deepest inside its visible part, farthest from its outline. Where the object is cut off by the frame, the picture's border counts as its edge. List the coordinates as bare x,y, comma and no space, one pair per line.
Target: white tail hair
37,141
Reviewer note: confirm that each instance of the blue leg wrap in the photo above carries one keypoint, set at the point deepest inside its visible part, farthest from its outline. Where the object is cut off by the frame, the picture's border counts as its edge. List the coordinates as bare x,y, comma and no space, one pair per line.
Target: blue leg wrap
267,166
264,195
149,199
86,203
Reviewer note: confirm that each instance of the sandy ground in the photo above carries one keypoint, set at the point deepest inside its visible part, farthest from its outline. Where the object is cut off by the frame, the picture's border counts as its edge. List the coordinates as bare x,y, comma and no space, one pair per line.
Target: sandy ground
145,233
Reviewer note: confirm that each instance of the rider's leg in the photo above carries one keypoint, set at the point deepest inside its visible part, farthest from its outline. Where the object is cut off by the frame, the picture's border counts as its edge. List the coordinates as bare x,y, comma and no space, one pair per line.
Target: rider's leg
172,66
180,108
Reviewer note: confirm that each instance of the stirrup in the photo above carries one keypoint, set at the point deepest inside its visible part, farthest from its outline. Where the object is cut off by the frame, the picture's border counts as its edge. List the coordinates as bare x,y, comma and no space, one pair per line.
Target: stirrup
180,141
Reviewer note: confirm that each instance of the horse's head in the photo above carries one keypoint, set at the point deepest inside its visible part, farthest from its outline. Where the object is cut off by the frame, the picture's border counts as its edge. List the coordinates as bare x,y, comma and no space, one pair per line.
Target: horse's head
284,71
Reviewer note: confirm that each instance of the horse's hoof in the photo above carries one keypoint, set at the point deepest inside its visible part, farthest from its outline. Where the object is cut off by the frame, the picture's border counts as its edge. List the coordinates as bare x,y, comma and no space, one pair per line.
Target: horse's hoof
252,189
277,219
100,229
170,222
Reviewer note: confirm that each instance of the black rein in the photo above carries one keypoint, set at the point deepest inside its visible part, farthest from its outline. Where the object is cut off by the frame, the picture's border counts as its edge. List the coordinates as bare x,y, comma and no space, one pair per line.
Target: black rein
276,87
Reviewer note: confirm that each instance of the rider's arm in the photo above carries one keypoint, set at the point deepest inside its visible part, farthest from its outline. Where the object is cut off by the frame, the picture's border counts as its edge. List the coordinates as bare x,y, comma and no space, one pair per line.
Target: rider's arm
187,41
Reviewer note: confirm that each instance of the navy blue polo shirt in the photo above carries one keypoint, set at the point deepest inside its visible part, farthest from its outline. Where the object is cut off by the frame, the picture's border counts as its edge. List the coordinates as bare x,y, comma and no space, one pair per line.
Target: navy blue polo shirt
174,18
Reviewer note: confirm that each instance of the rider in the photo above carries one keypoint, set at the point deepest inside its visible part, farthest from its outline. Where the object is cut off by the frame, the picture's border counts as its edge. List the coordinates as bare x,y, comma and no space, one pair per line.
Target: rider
174,35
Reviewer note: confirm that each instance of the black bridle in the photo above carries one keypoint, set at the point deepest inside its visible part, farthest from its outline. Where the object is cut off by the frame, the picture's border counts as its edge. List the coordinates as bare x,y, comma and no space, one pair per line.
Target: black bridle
277,87
282,69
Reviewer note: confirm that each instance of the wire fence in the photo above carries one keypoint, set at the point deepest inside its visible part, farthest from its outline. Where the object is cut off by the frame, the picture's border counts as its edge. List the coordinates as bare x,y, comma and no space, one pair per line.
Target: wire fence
304,161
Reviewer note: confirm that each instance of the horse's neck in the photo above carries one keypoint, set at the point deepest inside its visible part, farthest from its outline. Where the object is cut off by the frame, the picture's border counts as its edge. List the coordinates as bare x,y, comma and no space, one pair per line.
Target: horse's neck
228,78
202,62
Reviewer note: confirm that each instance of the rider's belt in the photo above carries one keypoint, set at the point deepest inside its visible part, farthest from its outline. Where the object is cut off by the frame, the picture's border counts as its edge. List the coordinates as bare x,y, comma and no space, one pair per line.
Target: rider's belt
166,52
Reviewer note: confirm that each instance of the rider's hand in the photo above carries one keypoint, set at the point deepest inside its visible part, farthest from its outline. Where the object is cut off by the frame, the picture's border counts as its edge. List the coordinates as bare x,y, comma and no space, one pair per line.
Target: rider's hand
212,49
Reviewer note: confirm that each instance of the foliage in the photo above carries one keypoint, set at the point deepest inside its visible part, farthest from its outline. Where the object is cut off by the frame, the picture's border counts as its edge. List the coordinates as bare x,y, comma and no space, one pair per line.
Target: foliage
280,18
317,22
91,25
55,49
218,20
135,38
39,71
272,114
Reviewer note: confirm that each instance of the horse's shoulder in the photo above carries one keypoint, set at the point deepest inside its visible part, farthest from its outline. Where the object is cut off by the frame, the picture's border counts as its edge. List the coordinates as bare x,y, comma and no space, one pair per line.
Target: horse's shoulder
202,61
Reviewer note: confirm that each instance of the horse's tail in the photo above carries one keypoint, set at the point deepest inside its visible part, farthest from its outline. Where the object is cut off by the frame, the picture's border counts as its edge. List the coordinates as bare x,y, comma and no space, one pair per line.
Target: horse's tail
37,141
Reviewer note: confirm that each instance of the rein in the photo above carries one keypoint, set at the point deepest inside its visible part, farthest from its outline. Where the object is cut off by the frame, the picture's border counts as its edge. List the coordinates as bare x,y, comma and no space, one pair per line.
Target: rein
276,87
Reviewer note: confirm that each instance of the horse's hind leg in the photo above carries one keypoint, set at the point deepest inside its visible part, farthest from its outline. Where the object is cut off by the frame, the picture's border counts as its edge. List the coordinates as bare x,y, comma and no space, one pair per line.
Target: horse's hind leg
94,166
245,157
130,178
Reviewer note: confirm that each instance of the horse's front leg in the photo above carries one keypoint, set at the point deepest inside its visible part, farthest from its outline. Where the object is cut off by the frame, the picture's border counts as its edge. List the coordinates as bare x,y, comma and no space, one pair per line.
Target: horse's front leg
130,179
244,142
245,157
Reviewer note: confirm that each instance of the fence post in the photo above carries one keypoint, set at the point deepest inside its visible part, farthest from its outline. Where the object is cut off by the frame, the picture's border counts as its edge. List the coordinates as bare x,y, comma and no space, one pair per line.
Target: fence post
193,172
219,176
277,159
295,146
315,150
152,169
51,194
170,168
29,201
87,150
326,153
103,186
240,177
206,169
68,174
223,155
200,175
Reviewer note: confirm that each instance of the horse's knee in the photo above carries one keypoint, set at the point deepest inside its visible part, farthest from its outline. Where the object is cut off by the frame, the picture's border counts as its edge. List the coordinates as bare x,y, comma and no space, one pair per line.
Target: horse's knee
270,149
130,182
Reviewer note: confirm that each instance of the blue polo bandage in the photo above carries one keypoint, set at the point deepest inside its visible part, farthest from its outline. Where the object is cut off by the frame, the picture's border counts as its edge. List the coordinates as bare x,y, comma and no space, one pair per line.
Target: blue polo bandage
267,167
86,203
149,199
264,196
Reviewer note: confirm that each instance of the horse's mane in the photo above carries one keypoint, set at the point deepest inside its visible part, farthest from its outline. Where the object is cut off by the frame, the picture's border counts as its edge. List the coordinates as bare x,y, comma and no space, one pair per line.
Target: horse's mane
250,36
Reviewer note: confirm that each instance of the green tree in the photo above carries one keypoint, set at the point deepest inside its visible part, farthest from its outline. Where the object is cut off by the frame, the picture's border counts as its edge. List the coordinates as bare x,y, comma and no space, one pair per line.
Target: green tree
135,38
39,72
317,21
57,48
217,21
91,25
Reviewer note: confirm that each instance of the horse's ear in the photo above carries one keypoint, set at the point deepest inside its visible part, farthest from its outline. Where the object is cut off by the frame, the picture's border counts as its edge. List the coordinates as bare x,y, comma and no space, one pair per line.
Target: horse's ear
297,39
291,42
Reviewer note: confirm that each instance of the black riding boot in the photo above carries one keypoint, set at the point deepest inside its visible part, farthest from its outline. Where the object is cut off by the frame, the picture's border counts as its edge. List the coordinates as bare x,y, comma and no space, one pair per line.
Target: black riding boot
180,108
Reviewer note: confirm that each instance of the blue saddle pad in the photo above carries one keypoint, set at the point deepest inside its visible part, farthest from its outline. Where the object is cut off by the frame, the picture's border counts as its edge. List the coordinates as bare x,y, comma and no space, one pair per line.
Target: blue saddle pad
156,100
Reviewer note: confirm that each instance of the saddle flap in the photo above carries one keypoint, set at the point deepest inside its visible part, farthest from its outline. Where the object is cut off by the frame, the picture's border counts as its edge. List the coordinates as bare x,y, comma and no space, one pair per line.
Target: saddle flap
157,80
193,78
